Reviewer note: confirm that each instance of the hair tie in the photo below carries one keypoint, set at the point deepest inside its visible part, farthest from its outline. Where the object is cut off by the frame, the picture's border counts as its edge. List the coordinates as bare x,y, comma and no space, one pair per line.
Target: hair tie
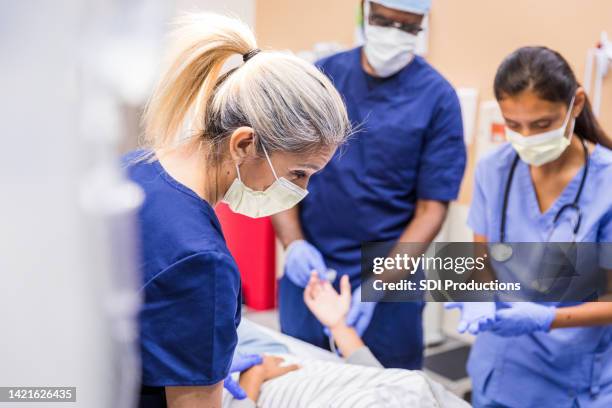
250,54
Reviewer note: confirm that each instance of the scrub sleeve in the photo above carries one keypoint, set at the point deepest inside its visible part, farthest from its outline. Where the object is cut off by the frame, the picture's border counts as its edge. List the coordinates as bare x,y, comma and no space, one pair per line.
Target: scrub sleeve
439,174
477,220
605,240
188,330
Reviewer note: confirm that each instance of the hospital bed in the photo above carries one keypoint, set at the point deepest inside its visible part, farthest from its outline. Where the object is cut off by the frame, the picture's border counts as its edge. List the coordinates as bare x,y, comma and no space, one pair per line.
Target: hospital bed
444,363
416,388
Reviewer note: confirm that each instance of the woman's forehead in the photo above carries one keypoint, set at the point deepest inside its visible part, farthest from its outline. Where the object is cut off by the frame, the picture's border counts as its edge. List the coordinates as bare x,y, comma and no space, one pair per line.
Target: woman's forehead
529,104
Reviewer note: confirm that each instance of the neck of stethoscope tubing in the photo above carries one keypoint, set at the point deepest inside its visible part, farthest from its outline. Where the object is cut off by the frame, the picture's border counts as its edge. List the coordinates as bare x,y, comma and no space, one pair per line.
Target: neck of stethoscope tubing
502,232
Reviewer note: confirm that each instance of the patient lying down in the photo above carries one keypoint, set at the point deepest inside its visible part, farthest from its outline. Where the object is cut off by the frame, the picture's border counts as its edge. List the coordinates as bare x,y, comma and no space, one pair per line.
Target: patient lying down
285,381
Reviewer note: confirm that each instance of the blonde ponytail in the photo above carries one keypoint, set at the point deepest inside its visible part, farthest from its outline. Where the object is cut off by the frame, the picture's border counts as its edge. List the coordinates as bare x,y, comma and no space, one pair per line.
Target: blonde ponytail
289,103
202,45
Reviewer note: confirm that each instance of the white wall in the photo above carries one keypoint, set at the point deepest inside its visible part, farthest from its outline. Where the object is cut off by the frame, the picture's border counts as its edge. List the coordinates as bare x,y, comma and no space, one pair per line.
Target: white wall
243,9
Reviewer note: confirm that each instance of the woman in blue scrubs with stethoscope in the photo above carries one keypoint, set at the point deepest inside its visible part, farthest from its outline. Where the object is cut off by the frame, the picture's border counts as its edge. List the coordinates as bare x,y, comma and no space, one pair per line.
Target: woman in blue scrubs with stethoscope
251,137
555,170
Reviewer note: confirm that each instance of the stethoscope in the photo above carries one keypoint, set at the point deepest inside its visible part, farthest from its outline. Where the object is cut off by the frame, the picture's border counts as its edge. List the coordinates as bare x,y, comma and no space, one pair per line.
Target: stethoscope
501,251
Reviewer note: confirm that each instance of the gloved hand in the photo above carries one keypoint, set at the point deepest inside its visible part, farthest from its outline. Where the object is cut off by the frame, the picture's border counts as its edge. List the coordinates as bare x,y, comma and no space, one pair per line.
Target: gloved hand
301,258
475,316
360,313
519,318
240,363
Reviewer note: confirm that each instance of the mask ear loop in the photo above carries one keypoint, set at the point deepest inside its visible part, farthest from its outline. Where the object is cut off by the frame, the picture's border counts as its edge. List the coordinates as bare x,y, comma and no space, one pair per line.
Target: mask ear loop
569,118
238,173
269,161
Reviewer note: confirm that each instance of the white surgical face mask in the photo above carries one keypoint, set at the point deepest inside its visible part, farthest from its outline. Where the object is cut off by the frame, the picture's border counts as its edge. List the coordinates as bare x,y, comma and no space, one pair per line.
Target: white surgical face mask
545,147
280,196
387,49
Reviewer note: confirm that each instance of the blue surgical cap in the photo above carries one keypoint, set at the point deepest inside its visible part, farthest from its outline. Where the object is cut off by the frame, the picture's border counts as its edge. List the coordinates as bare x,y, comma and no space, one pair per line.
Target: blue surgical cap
411,6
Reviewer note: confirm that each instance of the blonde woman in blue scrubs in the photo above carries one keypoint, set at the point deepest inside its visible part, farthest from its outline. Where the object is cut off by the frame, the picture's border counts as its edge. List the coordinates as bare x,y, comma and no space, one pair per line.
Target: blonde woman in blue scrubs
250,137
533,354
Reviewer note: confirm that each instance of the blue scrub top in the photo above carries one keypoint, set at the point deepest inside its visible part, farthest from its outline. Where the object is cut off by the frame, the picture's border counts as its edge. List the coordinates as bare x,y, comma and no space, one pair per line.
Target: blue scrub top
563,366
191,284
408,146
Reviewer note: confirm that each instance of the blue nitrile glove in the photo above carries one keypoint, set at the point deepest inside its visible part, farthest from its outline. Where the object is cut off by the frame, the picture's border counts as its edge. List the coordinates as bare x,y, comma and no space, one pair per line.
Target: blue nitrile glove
360,314
240,363
519,318
475,316
301,258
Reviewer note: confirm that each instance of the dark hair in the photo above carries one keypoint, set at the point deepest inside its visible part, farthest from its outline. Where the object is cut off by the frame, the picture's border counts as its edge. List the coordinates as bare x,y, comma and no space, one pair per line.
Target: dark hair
547,73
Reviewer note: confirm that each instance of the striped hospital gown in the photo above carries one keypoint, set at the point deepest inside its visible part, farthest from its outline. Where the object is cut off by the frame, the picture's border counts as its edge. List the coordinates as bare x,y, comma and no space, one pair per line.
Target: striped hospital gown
338,385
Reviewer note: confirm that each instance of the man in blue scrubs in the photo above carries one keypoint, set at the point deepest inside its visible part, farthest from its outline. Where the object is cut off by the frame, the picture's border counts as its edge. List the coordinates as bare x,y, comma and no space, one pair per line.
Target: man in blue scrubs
392,182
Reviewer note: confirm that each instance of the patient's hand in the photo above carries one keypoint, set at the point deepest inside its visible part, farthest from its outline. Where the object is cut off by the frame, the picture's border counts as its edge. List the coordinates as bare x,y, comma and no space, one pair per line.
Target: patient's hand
329,307
252,379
